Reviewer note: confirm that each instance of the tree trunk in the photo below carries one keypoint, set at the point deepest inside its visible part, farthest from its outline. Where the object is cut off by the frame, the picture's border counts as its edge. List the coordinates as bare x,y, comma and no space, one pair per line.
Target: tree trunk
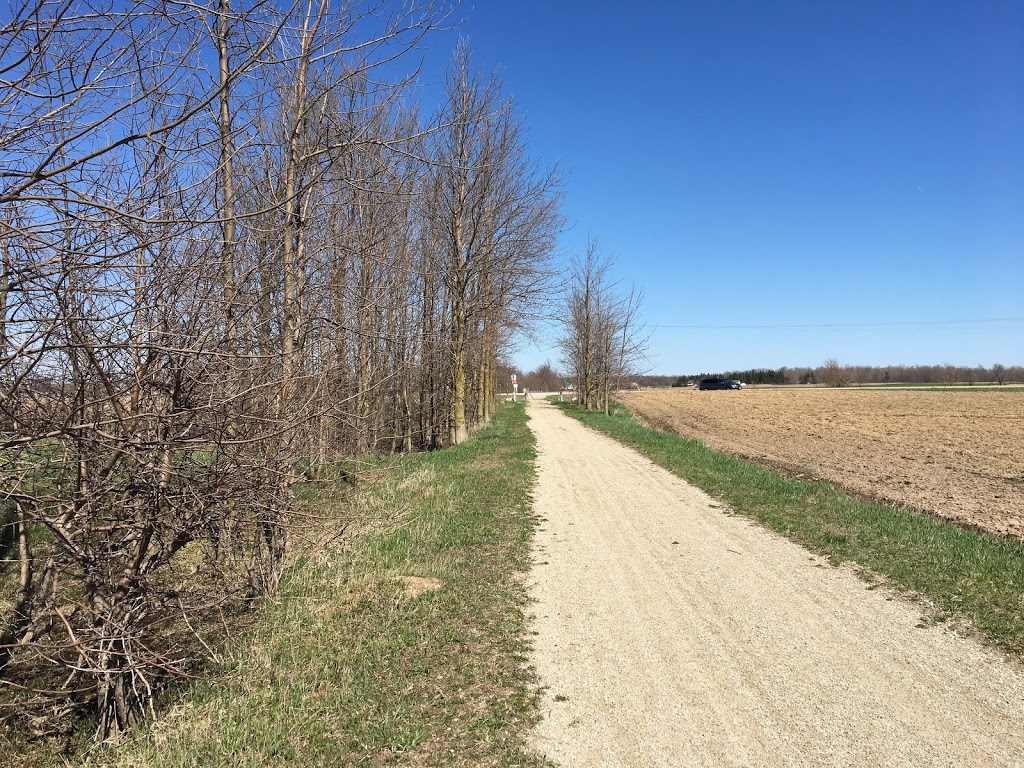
459,429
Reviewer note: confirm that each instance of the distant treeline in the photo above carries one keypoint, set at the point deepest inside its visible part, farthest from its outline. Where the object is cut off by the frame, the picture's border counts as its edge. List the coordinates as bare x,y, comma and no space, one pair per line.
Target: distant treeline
833,374
544,378
752,376
830,373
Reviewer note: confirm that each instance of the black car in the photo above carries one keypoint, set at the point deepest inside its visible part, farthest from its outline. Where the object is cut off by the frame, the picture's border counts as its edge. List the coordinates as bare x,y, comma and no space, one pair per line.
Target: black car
719,383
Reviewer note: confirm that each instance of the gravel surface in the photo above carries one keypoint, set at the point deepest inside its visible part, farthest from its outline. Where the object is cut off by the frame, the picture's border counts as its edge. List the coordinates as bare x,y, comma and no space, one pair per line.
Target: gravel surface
670,633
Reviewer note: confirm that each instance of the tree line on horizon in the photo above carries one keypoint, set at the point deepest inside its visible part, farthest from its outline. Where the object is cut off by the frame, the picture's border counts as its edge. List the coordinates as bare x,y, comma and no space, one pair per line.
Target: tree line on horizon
235,251
545,378
831,373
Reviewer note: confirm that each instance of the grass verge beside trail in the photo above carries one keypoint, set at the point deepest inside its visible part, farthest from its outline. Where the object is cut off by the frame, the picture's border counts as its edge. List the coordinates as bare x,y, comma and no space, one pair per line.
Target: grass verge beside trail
406,648
964,574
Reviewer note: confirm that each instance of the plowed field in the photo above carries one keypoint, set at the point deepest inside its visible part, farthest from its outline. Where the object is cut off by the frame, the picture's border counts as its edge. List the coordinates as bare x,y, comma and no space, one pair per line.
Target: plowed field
958,455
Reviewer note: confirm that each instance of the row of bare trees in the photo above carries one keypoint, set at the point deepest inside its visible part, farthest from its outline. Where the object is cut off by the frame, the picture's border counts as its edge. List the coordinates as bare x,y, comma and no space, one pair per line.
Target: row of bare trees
603,338
832,374
543,378
233,251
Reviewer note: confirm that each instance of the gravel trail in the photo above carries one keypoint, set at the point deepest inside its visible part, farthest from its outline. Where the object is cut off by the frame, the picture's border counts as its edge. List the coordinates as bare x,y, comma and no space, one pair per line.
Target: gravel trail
670,633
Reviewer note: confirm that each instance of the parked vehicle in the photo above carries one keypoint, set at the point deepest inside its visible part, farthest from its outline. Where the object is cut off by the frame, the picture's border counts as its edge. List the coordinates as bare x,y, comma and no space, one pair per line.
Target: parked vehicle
719,382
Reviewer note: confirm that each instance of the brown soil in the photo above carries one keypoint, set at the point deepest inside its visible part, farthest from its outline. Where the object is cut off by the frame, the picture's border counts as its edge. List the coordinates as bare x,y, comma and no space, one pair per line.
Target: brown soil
958,455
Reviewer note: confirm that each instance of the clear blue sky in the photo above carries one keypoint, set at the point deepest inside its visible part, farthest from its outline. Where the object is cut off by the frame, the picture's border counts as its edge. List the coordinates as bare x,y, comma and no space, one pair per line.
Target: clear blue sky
783,165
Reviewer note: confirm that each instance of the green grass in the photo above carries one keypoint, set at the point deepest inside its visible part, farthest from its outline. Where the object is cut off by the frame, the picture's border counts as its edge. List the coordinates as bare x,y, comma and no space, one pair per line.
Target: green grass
966,575
347,666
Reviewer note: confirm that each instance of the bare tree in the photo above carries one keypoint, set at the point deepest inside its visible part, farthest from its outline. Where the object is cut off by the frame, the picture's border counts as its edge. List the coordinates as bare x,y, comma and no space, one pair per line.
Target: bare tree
632,337
544,378
831,374
603,337
495,216
999,373
581,322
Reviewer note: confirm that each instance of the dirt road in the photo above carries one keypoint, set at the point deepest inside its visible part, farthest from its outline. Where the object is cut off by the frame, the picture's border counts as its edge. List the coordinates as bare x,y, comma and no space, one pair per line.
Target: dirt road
670,633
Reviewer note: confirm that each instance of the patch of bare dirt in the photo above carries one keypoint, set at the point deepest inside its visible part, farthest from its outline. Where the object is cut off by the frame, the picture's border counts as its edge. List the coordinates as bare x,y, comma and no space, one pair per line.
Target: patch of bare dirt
414,586
957,455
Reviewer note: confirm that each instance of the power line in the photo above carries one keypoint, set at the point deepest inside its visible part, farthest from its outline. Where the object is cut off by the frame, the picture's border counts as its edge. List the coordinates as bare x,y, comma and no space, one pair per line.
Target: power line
903,324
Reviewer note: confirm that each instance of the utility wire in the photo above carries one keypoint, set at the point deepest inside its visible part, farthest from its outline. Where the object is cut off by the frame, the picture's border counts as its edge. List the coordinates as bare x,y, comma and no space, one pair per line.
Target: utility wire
850,325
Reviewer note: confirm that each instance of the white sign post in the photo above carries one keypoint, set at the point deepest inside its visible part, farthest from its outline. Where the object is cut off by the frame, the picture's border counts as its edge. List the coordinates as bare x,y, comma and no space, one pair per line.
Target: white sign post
515,387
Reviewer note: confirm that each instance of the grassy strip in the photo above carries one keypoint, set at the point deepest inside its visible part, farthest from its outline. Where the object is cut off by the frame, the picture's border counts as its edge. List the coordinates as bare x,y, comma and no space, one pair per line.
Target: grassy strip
965,574
350,666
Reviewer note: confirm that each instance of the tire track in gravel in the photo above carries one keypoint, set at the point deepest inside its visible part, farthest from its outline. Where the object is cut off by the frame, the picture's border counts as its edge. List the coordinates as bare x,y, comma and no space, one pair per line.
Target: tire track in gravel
670,633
